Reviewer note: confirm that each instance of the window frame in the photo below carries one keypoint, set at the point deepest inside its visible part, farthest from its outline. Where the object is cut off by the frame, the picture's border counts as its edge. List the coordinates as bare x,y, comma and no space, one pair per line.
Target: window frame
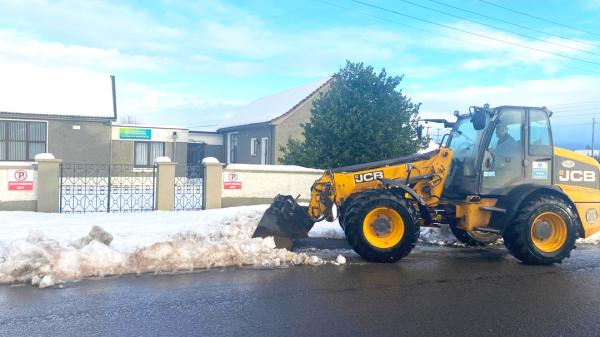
230,159
27,141
264,148
148,153
253,146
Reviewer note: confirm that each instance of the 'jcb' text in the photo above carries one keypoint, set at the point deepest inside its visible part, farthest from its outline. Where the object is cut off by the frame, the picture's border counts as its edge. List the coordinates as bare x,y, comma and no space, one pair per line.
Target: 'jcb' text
576,176
369,176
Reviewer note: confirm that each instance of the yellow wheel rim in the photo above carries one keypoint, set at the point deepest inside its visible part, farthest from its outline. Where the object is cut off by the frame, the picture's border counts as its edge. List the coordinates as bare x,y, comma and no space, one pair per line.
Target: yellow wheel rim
383,227
549,232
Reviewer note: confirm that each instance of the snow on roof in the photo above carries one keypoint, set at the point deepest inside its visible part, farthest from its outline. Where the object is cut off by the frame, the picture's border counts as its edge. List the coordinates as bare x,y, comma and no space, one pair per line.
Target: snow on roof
53,92
270,107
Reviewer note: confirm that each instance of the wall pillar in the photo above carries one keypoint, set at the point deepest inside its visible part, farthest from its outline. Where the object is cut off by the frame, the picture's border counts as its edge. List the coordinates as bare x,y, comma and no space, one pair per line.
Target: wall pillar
165,187
48,183
212,183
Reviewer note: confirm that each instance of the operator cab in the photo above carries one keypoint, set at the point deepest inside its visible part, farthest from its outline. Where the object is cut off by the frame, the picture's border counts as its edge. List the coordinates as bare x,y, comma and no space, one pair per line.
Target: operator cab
497,148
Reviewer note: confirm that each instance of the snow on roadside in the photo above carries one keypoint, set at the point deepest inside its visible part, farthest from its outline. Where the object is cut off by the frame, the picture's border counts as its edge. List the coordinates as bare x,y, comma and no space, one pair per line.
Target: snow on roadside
594,239
435,236
44,248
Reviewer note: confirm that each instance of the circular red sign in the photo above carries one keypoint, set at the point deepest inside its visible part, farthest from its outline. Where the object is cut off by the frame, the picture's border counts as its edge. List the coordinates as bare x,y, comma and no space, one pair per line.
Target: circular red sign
233,176
20,175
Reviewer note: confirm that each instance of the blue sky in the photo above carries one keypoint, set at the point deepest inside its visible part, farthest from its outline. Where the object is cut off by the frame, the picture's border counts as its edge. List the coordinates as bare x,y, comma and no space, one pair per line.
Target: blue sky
192,63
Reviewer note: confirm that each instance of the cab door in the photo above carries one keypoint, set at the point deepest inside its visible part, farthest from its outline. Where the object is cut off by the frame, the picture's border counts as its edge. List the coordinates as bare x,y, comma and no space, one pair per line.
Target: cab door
502,163
539,151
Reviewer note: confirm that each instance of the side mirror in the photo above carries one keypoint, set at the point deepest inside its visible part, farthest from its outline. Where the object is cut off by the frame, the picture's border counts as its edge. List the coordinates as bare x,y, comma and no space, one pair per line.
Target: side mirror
478,118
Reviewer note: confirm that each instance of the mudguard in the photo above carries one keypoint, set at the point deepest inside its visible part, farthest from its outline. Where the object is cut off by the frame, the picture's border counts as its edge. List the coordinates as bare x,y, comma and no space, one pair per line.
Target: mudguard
512,200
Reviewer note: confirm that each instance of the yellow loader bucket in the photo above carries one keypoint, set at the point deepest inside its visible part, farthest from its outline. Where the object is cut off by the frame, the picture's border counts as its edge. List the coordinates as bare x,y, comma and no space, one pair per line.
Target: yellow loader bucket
285,220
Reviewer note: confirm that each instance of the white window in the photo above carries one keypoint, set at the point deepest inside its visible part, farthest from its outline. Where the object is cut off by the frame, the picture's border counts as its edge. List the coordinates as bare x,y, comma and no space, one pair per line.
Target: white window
146,152
232,148
264,151
253,146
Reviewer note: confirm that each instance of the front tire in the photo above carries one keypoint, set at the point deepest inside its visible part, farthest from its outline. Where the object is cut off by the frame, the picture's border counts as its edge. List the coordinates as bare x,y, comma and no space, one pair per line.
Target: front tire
544,231
381,226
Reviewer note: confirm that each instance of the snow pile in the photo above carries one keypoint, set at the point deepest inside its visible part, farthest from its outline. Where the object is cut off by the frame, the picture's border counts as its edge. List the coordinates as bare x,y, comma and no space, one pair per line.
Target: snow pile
214,239
324,229
429,235
594,239
441,236
340,260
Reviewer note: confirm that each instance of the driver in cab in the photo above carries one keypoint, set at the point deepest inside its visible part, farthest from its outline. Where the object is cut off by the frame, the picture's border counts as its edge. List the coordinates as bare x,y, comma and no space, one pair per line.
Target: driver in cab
506,150
506,144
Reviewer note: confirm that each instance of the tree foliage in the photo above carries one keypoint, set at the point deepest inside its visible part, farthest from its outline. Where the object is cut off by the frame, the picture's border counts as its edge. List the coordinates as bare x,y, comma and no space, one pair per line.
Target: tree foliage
361,118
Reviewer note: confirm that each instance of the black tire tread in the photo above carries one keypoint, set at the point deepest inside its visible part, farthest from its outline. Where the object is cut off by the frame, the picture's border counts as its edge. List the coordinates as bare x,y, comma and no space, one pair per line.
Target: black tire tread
517,234
353,226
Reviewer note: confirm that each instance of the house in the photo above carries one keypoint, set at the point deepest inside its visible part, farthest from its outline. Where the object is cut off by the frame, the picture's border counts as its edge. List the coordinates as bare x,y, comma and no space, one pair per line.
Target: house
203,144
266,124
72,115
68,114
137,145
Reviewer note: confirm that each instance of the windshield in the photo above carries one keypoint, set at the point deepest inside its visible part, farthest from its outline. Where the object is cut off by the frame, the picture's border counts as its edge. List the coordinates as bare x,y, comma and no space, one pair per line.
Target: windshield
464,142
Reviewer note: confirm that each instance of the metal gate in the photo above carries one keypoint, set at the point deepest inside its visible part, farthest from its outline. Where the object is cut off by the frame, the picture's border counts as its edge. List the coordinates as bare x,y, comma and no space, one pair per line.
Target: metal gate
106,188
188,188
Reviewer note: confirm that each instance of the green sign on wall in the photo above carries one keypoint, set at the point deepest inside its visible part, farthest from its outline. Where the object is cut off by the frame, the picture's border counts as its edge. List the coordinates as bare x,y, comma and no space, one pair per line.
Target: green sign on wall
134,133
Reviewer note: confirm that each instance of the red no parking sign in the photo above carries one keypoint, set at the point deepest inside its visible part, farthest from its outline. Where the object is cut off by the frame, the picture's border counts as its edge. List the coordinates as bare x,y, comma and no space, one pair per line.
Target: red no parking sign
20,180
232,181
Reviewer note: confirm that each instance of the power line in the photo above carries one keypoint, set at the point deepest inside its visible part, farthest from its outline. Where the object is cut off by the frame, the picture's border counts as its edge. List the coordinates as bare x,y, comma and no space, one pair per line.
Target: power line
538,18
475,34
573,113
498,28
512,23
449,37
577,103
575,108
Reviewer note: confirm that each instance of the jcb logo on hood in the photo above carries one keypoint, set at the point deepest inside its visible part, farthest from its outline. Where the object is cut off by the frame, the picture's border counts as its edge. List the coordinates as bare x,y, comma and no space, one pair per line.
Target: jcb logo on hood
576,175
369,176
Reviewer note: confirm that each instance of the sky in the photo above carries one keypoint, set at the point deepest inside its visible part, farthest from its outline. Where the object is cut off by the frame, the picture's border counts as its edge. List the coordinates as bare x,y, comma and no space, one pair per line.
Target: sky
194,63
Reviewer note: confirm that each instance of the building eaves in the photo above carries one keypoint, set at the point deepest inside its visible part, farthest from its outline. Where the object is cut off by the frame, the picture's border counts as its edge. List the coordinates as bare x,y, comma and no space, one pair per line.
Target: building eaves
243,126
56,116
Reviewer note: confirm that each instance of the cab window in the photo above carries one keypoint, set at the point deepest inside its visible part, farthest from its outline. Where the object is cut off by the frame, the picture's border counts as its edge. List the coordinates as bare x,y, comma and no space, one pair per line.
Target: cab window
502,165
464,143
539,133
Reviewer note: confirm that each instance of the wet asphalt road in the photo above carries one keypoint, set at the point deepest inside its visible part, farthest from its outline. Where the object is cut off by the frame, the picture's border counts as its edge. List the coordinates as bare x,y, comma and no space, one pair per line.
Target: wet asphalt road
433,292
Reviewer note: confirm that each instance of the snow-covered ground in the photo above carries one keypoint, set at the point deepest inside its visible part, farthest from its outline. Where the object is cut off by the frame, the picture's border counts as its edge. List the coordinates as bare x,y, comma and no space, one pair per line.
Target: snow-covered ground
48,248
51,248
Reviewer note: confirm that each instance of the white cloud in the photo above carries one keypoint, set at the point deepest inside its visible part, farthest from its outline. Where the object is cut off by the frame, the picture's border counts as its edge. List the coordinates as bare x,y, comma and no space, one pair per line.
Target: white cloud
544,92
98,23
590,4
173,107
18,46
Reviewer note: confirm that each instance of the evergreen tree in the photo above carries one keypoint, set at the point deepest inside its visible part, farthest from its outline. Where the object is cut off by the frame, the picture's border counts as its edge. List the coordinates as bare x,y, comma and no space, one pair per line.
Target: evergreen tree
361,118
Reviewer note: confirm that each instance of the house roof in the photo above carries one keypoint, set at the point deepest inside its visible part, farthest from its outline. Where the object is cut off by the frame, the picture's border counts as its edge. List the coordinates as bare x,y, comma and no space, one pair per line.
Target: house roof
58,94
268,108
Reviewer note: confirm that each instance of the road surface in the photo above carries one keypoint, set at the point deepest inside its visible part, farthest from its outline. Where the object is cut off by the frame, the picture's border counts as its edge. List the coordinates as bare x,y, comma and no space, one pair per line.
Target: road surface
435,291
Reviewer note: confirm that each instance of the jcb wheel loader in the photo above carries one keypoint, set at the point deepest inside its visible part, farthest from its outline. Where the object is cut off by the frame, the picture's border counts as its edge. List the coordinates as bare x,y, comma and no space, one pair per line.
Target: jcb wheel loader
497,174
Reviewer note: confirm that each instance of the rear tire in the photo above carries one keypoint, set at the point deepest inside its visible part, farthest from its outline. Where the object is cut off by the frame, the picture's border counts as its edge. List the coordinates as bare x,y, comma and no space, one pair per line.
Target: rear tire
543,232
381,226
473,238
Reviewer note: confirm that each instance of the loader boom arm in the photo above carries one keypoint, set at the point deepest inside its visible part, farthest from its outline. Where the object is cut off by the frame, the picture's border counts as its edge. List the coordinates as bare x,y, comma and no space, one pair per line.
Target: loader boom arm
425,174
